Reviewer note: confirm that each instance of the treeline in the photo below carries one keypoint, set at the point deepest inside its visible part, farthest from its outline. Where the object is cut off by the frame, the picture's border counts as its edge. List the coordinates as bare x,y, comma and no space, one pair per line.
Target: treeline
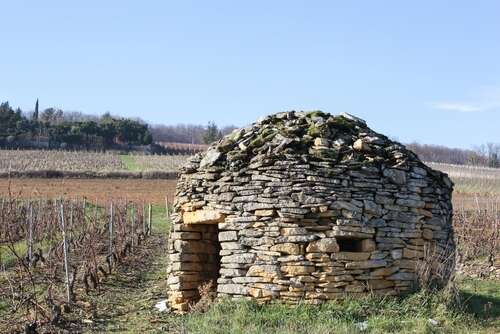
54,128
484,155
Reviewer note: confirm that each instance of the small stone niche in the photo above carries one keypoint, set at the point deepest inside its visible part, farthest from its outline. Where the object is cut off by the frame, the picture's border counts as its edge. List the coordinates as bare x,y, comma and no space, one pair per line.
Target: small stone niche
350,245
355,245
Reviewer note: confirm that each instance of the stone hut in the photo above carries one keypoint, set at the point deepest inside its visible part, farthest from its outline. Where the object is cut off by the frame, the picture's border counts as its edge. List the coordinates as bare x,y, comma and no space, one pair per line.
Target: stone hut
307,206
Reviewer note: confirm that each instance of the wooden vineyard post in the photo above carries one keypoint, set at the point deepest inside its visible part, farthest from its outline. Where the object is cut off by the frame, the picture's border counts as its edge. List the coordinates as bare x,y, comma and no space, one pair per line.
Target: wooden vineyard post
167,212
133,228
84,207
65,251
71,220
150,214
96,212
30,234
144,219
111,237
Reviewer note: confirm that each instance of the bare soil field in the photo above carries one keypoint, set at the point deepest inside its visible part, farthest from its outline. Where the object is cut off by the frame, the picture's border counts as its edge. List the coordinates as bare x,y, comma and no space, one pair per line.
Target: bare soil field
146,190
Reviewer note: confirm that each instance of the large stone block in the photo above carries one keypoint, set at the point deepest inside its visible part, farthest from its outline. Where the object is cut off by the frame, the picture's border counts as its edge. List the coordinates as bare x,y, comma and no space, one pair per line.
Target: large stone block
228,236
296,270
238,258
412,254
351,256
326,245
202,217
287,248
395,175
266,270
264,212
368,245
377,284
366,264
384,271
232,289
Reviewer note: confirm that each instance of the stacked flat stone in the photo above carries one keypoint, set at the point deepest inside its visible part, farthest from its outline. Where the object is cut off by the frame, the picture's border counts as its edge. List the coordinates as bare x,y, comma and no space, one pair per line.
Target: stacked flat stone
306,206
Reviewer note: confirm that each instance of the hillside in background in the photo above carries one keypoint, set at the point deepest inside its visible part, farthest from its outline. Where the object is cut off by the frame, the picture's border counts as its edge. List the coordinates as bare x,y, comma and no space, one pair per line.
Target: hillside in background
54,128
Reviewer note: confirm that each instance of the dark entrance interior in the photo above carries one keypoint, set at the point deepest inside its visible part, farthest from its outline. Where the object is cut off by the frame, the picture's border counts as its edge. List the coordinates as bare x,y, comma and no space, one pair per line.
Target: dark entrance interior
200,258
350,245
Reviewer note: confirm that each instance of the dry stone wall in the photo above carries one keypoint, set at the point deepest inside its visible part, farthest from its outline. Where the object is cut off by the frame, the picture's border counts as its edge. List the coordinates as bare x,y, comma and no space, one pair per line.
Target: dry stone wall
308,207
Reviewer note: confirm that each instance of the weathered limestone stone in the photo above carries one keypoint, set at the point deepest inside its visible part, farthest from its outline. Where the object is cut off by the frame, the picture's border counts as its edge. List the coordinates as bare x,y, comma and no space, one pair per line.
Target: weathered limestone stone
327,245
321,142
238,258
377,284
267,271
202,217
402,277
397,254
395,175
360,145
351,256
411,253
287,248
264,212
195,247
384,271
233,289
297,270
228,236
305,207
342,278
368,245
427,234
366,264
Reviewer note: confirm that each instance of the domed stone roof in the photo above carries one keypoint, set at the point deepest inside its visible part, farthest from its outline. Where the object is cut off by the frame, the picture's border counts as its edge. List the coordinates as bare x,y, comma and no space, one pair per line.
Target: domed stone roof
322,139
306,206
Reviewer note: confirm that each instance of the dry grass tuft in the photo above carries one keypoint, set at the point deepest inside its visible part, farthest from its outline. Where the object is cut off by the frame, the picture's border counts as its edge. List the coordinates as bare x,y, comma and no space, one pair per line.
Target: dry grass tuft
207,297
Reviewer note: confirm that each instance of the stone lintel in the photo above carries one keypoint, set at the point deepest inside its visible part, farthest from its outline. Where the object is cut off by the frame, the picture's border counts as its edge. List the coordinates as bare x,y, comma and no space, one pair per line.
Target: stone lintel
206,217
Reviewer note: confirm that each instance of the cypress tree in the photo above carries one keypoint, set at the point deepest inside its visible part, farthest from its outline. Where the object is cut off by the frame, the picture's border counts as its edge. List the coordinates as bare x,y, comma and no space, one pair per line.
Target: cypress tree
35,114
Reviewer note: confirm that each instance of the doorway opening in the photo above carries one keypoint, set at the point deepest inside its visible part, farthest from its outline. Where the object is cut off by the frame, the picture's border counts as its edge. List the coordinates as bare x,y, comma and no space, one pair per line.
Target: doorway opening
199,259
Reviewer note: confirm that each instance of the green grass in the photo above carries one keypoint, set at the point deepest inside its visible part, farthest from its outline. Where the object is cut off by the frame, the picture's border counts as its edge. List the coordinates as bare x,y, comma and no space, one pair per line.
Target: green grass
7,257
477,312
130,163
482,298
160,223
126,306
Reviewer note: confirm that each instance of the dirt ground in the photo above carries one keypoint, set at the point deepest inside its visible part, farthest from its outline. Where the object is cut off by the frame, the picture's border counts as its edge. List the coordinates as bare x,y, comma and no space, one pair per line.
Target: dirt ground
146,190
123,303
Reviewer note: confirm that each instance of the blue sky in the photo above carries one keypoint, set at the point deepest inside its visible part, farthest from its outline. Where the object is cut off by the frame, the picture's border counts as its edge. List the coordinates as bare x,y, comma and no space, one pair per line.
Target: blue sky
427,70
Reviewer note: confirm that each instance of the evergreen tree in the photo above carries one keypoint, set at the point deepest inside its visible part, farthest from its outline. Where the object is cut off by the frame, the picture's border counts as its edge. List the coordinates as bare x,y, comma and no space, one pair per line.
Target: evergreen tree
212,133
35,114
